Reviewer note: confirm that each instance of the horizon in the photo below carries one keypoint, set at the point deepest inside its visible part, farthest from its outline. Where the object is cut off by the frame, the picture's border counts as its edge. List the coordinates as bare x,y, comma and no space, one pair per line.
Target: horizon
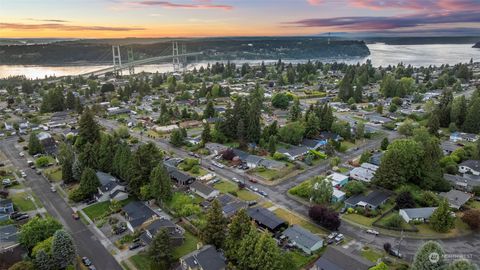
113,19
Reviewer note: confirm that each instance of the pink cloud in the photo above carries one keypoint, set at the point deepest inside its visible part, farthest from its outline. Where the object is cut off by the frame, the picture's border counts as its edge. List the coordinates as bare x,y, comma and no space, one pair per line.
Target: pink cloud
315,2
65,27
418,5
200,4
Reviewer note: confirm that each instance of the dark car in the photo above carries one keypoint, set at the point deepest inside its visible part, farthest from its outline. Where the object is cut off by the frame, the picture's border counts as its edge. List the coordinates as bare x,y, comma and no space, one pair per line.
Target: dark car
395,253
119,230
86,261
15,214
4,193
135,246
22,217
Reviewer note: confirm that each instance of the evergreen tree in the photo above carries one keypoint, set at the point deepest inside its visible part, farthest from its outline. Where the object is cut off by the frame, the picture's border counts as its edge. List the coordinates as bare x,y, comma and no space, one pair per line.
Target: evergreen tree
88,155
267,253
77,169
160,184
206,136
105,153
295,111
88,183
445,108
433,124
462,264
161,252
34,145
78,106
312,127
63,249
121,162
67,171
147,157
272,144
237,230
43,261
441,219
209,110
254,113
214,232
245,254
472,120
459,111
423,257
70,101
89,131
360,131
326,118
176,138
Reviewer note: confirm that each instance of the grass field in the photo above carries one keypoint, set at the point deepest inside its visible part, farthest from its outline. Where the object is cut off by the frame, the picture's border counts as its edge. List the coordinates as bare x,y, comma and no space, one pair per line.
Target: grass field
99,209
359,219
300,259
23,201
227,187
291,218
371,254
54,174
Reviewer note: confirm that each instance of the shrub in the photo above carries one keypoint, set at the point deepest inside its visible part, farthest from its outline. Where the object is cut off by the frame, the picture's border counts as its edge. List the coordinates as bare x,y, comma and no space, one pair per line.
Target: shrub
472,218
279,156
42,162
304,190
325,216
394,221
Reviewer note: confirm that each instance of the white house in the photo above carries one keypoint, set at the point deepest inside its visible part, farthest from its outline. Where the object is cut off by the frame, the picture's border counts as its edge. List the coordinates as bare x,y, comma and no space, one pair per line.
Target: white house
470,166
203,190
338,179
416,214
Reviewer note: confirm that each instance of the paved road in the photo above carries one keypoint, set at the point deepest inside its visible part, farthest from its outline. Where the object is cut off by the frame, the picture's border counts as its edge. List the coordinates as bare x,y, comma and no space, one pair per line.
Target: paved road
86,242
462,246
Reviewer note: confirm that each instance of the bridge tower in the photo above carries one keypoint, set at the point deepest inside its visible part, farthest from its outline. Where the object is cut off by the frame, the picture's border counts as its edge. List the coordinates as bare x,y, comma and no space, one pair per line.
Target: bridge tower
176,57
131,69
117,59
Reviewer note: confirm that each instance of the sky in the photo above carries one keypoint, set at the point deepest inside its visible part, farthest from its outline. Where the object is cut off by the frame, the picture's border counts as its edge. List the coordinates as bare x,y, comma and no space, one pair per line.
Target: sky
204,18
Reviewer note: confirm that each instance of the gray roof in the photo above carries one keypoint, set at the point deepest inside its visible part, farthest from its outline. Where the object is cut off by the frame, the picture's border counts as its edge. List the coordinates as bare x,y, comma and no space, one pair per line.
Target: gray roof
418,213
472,164
310,143
241,154
107,181
302,237
207,258
374,198
202,188
335,258
159,224
456,198
233,207
449,146
268,163
8,235
469,179
265,217
137,213
294,150
253,159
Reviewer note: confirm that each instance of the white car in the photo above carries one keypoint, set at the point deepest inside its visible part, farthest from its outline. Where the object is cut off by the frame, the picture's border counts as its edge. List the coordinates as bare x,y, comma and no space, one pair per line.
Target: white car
21,154
372,232
53,189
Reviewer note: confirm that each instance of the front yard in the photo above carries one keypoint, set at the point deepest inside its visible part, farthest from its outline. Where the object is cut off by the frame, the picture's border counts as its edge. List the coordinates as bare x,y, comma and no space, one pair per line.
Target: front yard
24,201
292,219
270,174
54,174
102,209
231,188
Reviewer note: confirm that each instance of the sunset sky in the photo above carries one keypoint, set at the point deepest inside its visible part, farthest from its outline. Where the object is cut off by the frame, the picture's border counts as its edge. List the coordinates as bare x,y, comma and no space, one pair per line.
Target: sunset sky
194,18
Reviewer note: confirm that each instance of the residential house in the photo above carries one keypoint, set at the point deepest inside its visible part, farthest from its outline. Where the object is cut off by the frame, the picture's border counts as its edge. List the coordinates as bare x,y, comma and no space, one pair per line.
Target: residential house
175,232
465,182
253,161
338,258
179,177
456,198
470,166
338,195
416,214
110,188
272,164
338,180
215,148
372,200
303,239
204,191
448,147
365,172
294,152
136,214
325,136
233,207
205,258
460,136
117,110
313,144
378,119
376,158
266,219
48,143
6,208
11,251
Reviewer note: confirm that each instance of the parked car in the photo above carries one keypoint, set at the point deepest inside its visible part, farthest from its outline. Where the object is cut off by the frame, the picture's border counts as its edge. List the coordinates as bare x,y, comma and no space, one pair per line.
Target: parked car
251,203
86,261
76,217
15,214
22,217
235,180
372,232
135,246
92,267
263,193
53,189
211,168
253,180
21,154
38,172
395,253
339,238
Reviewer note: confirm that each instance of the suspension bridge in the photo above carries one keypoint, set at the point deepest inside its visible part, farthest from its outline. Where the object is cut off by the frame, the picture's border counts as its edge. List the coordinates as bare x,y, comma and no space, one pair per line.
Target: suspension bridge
178,56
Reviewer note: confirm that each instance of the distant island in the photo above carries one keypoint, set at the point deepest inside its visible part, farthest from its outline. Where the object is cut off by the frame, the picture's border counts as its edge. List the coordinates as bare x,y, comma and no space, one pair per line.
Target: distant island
82,52
477,45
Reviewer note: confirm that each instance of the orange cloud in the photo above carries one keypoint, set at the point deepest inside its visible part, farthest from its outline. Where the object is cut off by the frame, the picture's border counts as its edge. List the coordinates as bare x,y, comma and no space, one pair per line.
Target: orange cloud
64,27
202,4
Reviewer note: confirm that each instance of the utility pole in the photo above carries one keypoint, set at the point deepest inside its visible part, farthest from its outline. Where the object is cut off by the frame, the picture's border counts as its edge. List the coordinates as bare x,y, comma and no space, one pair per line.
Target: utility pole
117,60
131,68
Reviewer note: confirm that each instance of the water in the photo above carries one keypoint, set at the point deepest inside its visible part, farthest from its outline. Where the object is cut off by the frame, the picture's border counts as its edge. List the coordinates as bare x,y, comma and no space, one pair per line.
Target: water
381,55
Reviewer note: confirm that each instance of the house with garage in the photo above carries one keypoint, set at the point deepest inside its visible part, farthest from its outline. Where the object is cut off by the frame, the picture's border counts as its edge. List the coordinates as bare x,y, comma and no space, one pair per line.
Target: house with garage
460,136
231,208
303,239
48,143
416,214
175,232
215,148
338,180
205,258
205,191
371,201
11,251
110,188
137,214
470,166
465,182
364,173
456,198
312,144
294,152
266,219
449,147
338,258
179,177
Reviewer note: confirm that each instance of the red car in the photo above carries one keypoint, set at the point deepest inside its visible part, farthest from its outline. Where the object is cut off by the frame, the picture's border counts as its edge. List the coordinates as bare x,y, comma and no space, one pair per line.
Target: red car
253,180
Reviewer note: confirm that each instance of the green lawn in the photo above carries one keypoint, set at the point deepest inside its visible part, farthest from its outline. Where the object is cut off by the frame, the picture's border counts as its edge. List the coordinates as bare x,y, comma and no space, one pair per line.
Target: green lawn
270,175
141,261
474,204
189,245
54,174
227,187
23,201
99,209
359,219
300,259
292,219
371,254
